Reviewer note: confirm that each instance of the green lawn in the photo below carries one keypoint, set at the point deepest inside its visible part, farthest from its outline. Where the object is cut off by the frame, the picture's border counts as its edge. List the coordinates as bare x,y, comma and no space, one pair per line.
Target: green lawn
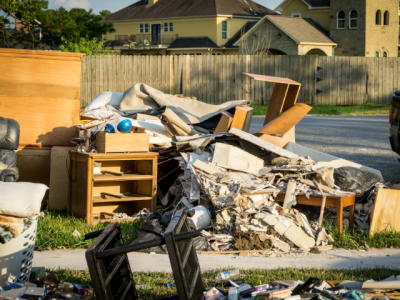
56,228
335,110
55,232
158,280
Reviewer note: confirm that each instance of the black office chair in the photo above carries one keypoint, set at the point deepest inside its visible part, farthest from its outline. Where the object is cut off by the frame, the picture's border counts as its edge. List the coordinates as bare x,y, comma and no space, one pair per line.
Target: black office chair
9,141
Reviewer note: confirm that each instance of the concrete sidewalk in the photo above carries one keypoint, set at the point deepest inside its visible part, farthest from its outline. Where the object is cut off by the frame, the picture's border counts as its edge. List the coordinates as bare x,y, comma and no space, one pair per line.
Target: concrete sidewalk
336,259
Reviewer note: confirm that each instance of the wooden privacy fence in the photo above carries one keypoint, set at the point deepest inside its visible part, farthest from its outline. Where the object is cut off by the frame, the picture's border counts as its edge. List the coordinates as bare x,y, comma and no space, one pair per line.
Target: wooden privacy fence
217,79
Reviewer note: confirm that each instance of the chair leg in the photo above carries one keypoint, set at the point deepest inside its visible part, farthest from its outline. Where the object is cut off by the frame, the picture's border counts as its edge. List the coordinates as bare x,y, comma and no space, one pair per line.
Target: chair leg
339,214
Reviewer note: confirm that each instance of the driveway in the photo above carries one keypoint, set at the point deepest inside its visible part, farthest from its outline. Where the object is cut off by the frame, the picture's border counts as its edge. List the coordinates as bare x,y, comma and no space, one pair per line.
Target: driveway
362,139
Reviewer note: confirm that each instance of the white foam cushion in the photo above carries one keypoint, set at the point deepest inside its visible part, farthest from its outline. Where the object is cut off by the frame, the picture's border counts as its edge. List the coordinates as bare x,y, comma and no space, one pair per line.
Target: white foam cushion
105,98
21,199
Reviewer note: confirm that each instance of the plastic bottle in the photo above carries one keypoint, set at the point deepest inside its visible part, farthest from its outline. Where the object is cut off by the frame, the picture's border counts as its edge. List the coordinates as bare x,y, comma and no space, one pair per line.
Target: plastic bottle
232,274
233,294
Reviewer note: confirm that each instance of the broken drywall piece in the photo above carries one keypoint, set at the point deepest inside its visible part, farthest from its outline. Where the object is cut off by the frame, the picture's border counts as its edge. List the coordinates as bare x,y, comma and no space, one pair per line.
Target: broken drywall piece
299,237
277,243
323,238
325,176
208,168
290,197
262,144
326,160
234,158
186,203
302,219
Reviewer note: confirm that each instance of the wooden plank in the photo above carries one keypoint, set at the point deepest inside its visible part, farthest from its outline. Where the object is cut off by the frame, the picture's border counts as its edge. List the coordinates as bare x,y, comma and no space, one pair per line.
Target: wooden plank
242,118
231,252
252,71
231,70
193,90
214,94
395,73
176,75
333,81
188,76
385,212
380,80
171,75
97,75
200,79
210,95
291,96
376,78
286,121
206,79
84,96
369,63
185,92
238,78
247,79
218,70
363,78
277,101
224,123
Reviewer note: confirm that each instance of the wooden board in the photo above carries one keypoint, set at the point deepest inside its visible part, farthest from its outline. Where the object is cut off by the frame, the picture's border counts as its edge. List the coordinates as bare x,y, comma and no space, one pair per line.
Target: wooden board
280,141
122,142
242,118
386,211
42,91
34,166
277,101
271,78
59,180
224,123
287,120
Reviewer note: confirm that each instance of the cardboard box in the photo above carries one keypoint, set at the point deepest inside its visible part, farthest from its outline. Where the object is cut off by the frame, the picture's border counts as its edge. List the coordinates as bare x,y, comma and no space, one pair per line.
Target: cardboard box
280,141
122,142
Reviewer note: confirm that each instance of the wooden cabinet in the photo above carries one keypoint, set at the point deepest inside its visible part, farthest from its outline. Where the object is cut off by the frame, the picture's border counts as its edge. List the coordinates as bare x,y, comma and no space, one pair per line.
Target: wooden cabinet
127,183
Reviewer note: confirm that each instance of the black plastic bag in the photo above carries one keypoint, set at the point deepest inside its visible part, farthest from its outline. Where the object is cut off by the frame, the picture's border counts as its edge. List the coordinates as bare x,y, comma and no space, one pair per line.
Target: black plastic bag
150,230
355,180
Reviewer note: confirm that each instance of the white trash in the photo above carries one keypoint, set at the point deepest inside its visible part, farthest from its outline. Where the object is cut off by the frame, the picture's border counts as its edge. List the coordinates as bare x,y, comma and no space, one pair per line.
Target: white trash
16,255
201,217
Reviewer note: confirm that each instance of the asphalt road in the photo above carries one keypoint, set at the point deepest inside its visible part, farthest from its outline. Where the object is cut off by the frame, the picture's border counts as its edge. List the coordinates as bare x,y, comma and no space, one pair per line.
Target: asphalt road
362,139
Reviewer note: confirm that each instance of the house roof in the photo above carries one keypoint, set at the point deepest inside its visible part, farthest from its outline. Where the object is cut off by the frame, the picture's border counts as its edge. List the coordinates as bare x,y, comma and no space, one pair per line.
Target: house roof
188,8
193,42
301,30
246,27
312,3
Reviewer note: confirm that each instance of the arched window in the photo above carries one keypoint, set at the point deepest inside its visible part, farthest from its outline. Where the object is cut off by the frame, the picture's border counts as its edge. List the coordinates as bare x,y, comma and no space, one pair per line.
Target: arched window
378,18
341,20
386,18
377,54
385,53
353,19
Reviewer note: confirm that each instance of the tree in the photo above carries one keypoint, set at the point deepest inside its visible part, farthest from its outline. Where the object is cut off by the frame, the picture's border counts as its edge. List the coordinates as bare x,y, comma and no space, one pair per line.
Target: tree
39,26
89,47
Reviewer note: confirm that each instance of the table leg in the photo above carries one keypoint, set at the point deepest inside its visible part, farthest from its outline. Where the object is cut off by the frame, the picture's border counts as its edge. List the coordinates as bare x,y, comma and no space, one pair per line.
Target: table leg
339,214
351,216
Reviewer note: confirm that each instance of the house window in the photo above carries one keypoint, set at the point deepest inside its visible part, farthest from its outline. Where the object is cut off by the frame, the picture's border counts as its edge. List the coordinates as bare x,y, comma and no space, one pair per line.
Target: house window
385,54
377,54
143,28
386,18
171,27
378,18
165,27
296,15
224,30
341,20
353,19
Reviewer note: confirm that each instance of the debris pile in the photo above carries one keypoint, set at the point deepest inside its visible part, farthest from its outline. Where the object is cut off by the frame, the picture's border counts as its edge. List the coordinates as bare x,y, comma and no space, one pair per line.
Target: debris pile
249,188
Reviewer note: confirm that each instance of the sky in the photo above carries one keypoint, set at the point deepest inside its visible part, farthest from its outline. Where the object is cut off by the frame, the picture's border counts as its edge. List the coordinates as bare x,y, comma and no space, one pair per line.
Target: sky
113,6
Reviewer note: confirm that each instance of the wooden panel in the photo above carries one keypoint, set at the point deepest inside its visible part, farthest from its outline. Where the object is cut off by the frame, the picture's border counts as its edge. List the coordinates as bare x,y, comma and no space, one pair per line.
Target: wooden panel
287,120
43,94
270,78
34,166
385,212
277,101
242,118
224,123
291,96
78,204
59,180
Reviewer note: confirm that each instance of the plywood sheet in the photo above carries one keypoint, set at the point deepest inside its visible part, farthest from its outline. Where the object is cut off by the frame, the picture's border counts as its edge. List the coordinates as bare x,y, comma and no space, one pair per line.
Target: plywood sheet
386,211
42,91
59,180
271,78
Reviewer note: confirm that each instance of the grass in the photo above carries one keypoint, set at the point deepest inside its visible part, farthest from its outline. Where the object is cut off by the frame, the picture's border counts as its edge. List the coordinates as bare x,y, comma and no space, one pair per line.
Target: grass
336,110
158,280
56,228
354,240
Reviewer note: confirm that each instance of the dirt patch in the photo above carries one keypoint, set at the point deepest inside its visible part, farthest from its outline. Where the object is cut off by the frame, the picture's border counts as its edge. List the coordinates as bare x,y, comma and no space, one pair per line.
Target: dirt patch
250,241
